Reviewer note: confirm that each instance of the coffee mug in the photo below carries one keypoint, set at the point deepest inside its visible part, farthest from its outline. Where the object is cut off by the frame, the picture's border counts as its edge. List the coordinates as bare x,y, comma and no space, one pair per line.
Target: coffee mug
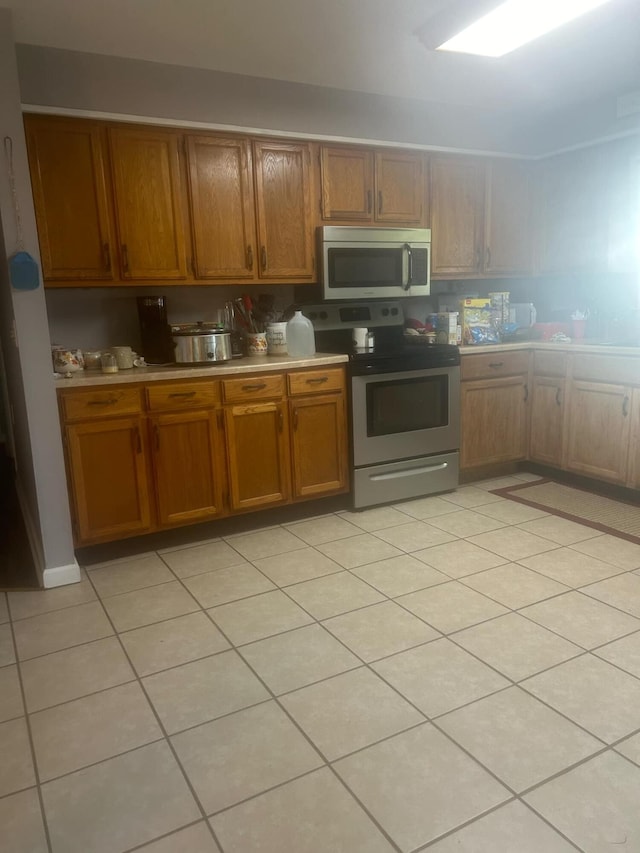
124,357
277,339
256,343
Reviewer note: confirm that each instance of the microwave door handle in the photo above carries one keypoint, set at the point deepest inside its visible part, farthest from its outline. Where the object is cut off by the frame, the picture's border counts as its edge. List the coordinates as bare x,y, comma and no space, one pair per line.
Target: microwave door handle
407,249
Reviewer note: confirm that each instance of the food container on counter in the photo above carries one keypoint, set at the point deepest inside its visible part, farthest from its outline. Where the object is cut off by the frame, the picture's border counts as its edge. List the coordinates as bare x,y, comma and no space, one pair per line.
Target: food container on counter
199,343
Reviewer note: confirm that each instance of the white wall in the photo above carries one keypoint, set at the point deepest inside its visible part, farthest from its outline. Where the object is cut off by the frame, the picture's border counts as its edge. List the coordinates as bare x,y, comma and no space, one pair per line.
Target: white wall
24,335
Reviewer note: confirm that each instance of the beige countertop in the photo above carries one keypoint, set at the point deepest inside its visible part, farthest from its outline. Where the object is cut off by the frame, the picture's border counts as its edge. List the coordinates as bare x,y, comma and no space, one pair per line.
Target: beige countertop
573,346
249,364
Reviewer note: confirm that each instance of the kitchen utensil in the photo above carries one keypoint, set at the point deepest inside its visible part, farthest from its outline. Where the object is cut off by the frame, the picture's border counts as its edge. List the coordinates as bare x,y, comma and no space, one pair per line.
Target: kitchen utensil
198,343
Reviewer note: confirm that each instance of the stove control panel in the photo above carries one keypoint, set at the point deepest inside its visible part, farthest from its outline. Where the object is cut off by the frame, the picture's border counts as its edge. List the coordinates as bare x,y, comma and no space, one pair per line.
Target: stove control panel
352,315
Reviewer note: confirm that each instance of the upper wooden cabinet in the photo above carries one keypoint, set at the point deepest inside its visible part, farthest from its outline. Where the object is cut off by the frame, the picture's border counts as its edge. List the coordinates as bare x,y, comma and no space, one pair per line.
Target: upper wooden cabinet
148,203
364,186
67,163
222,207
480,217
283,206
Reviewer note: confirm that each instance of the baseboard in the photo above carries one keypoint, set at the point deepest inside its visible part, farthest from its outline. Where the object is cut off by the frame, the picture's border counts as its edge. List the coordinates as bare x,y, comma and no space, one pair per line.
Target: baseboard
61,575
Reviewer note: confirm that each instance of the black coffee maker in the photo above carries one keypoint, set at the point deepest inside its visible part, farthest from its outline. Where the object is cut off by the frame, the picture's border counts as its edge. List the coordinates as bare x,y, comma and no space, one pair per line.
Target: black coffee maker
155,332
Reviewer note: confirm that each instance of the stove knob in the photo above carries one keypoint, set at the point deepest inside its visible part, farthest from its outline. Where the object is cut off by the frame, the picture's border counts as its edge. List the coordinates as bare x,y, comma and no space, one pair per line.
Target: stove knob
394,312
385,312
312,315
323,315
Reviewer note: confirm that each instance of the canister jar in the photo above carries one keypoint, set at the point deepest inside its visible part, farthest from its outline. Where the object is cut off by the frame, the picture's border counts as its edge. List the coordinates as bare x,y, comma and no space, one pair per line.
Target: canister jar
277,339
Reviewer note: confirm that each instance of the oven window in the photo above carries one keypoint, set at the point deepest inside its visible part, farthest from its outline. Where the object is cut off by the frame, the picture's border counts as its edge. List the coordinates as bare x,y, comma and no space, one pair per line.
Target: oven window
364,267
405,405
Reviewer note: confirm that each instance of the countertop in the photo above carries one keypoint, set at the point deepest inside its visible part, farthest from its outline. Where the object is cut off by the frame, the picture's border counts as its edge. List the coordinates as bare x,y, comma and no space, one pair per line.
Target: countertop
574,346
248,364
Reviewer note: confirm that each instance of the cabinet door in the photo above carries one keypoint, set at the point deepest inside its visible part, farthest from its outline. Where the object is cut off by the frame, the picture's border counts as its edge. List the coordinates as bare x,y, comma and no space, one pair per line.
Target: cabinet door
399,187
508,219
284,212
319,445
493,421
457,201
188,466
347,183
598,430
148,199
69,192
222,207
633,473
547,420
257,455
108,476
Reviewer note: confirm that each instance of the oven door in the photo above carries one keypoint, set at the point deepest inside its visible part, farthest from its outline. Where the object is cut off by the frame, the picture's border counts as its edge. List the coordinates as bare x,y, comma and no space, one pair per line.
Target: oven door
406,414
375,270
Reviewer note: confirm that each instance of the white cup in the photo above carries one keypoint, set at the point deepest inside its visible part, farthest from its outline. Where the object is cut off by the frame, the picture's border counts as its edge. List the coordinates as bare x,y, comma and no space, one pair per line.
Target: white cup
359,338
124,357
277,339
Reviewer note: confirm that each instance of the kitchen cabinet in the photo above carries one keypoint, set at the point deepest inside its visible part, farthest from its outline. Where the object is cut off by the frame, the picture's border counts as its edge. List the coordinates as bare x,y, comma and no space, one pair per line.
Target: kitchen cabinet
494,394
598,430
107,454
283,208
148,203
548,408
75,230
257,436
480,217
187,451
222,207
317,410
633,470
360,185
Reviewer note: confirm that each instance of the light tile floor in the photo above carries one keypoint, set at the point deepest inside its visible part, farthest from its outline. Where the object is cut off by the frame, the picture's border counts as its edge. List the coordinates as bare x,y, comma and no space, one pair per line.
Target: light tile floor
455,673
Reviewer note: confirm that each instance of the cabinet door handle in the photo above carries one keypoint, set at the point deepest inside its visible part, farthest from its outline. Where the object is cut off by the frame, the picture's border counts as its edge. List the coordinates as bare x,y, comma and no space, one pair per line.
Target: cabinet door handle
295,419
379,201
192,265
106,256
138,440
263,257
558,401
256,386
182,394
104,401
526,392
125,257
369,201
317,380
280,420
625,406
250,257
156,435
488,261
478,258
496,364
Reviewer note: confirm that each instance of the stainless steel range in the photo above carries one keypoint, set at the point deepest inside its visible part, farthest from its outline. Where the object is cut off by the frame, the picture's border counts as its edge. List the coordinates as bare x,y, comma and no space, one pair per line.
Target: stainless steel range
405,401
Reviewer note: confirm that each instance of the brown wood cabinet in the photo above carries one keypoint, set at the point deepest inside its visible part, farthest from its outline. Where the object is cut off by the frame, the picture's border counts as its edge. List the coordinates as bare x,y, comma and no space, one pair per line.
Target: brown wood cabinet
481,215
222,207
75,232
317,409
547,420
283,205
360,185
148,203
598,430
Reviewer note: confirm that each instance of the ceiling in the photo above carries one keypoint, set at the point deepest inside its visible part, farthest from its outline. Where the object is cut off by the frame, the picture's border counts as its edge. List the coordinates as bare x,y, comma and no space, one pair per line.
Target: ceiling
359,45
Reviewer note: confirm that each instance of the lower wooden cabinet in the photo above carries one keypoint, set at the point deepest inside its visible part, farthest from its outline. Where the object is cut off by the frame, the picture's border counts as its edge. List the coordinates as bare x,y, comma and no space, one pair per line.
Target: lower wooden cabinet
547,420
143,458
598,430
257,454
107,465
494,421
188,466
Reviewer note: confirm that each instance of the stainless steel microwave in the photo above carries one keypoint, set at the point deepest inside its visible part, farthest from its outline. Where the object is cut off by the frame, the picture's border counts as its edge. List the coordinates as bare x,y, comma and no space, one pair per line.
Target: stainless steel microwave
370,263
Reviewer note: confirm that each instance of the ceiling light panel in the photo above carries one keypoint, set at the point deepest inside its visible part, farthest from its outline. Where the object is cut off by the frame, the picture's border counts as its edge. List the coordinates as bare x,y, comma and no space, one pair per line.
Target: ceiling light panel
515,23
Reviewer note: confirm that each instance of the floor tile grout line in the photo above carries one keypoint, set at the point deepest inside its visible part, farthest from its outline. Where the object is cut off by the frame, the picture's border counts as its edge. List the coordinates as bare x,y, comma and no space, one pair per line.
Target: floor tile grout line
166,835
575,642
32,713
36,772
166,737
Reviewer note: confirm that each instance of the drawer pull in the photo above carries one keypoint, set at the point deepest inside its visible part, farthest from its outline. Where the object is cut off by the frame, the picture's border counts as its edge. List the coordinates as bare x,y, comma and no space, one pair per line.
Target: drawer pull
257,386
558,401
526,392
496,364
318,380
105,401
182,394
625,406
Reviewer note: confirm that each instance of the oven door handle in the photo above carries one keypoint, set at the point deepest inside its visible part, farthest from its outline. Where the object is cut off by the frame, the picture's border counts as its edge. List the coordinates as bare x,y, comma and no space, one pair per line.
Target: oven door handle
409,472
409,281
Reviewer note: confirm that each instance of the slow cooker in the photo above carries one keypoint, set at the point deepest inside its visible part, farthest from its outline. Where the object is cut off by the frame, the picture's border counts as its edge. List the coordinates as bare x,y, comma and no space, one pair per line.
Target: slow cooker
199,343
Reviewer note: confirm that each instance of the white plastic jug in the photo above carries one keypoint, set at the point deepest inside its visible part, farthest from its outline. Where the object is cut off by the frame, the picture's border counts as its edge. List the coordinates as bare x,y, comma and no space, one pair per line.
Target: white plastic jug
301,339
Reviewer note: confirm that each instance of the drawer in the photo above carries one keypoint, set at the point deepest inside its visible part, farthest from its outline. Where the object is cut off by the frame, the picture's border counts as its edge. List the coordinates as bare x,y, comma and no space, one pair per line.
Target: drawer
599,368
550,363
315,381
182,395
253,388
488,365
81,405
